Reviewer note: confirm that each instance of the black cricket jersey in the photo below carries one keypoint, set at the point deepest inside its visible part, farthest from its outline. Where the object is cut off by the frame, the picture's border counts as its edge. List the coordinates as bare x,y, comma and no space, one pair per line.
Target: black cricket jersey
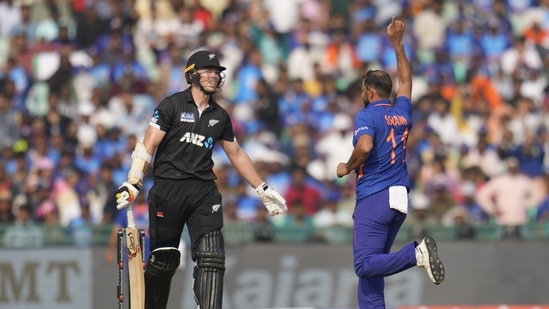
186,150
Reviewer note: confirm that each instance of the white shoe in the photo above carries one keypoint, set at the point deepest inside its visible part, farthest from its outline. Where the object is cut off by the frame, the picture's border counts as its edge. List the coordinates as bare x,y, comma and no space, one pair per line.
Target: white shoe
427,257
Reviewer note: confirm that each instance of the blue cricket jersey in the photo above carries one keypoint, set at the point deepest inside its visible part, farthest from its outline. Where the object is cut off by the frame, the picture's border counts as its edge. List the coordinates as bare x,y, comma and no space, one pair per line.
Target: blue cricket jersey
389,125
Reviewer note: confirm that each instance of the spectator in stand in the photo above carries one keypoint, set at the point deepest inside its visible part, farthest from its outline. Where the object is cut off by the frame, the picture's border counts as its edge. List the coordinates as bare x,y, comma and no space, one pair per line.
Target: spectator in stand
64,37
264,228
429,26
16,83
11,17
270,50
6,213
8,123
335,144
533,85
519,57
332,215
524,120
129,72
24,233
530,155
536,35
291,101
484,155
48,28
230,210
111,51
171,70
301,59
26,25
188,29
203,15
296,217
62,76
542,212
65,193
444,123
508,197
248,76
131,109
504,84
247,205
100,199
439,67
438,173
457,217
475,214
442,199
302,192
18,171
56,121
284,16
266,107
89,27
494,40
341,56
421,215
500,14
460,41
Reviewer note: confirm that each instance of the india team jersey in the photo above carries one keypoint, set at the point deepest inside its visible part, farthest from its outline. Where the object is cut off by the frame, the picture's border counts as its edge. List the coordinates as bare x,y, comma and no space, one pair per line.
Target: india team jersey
389,125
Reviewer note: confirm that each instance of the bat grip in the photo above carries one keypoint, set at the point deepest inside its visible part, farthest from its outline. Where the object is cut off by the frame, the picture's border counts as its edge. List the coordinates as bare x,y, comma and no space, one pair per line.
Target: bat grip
131,222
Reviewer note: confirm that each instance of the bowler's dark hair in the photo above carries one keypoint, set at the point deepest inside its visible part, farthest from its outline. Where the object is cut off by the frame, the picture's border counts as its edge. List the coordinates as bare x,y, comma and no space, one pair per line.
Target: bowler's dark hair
380,81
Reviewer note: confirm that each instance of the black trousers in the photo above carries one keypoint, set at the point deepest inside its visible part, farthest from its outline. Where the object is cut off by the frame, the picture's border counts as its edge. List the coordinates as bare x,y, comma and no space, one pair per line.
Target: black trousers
174,203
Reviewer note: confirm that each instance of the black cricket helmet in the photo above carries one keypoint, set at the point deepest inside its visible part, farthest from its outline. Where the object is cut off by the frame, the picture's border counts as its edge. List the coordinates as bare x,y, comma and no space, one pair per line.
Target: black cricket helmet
200,60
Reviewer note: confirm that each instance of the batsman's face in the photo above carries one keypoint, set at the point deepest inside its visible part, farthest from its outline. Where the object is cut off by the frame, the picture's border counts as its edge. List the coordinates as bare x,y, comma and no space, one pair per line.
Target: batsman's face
209,78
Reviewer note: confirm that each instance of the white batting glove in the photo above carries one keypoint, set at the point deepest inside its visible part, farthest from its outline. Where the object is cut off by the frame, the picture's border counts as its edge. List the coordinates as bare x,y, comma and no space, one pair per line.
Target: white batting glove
126,193
272,200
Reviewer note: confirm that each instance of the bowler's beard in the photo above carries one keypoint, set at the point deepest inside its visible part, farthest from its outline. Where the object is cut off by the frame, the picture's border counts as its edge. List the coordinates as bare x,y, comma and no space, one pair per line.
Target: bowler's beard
366,101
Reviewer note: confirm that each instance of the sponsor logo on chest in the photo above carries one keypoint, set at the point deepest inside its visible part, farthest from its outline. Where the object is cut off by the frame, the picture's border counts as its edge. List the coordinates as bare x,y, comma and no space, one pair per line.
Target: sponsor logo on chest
187,117
197,139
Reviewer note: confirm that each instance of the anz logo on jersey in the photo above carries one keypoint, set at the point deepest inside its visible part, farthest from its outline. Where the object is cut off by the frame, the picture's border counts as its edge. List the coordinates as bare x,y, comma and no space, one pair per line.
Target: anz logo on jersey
198,140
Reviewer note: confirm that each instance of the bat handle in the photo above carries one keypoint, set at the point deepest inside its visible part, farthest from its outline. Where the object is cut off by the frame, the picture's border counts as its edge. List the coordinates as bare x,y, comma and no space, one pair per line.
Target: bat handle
131,222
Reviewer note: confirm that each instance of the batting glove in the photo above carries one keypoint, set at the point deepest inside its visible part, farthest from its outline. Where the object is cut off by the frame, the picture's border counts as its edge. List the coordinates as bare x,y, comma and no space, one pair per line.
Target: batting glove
273,201
126,193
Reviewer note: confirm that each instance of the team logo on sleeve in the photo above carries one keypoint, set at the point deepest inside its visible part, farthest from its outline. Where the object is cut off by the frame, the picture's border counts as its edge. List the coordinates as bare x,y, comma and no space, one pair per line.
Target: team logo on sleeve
186,117
155,117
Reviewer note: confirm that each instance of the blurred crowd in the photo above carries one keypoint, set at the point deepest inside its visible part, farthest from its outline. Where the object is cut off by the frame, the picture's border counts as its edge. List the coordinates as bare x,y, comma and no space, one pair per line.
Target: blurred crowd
79,81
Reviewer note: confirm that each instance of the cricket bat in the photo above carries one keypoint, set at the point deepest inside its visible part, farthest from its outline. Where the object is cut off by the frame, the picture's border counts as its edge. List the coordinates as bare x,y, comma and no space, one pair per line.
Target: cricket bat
135,264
